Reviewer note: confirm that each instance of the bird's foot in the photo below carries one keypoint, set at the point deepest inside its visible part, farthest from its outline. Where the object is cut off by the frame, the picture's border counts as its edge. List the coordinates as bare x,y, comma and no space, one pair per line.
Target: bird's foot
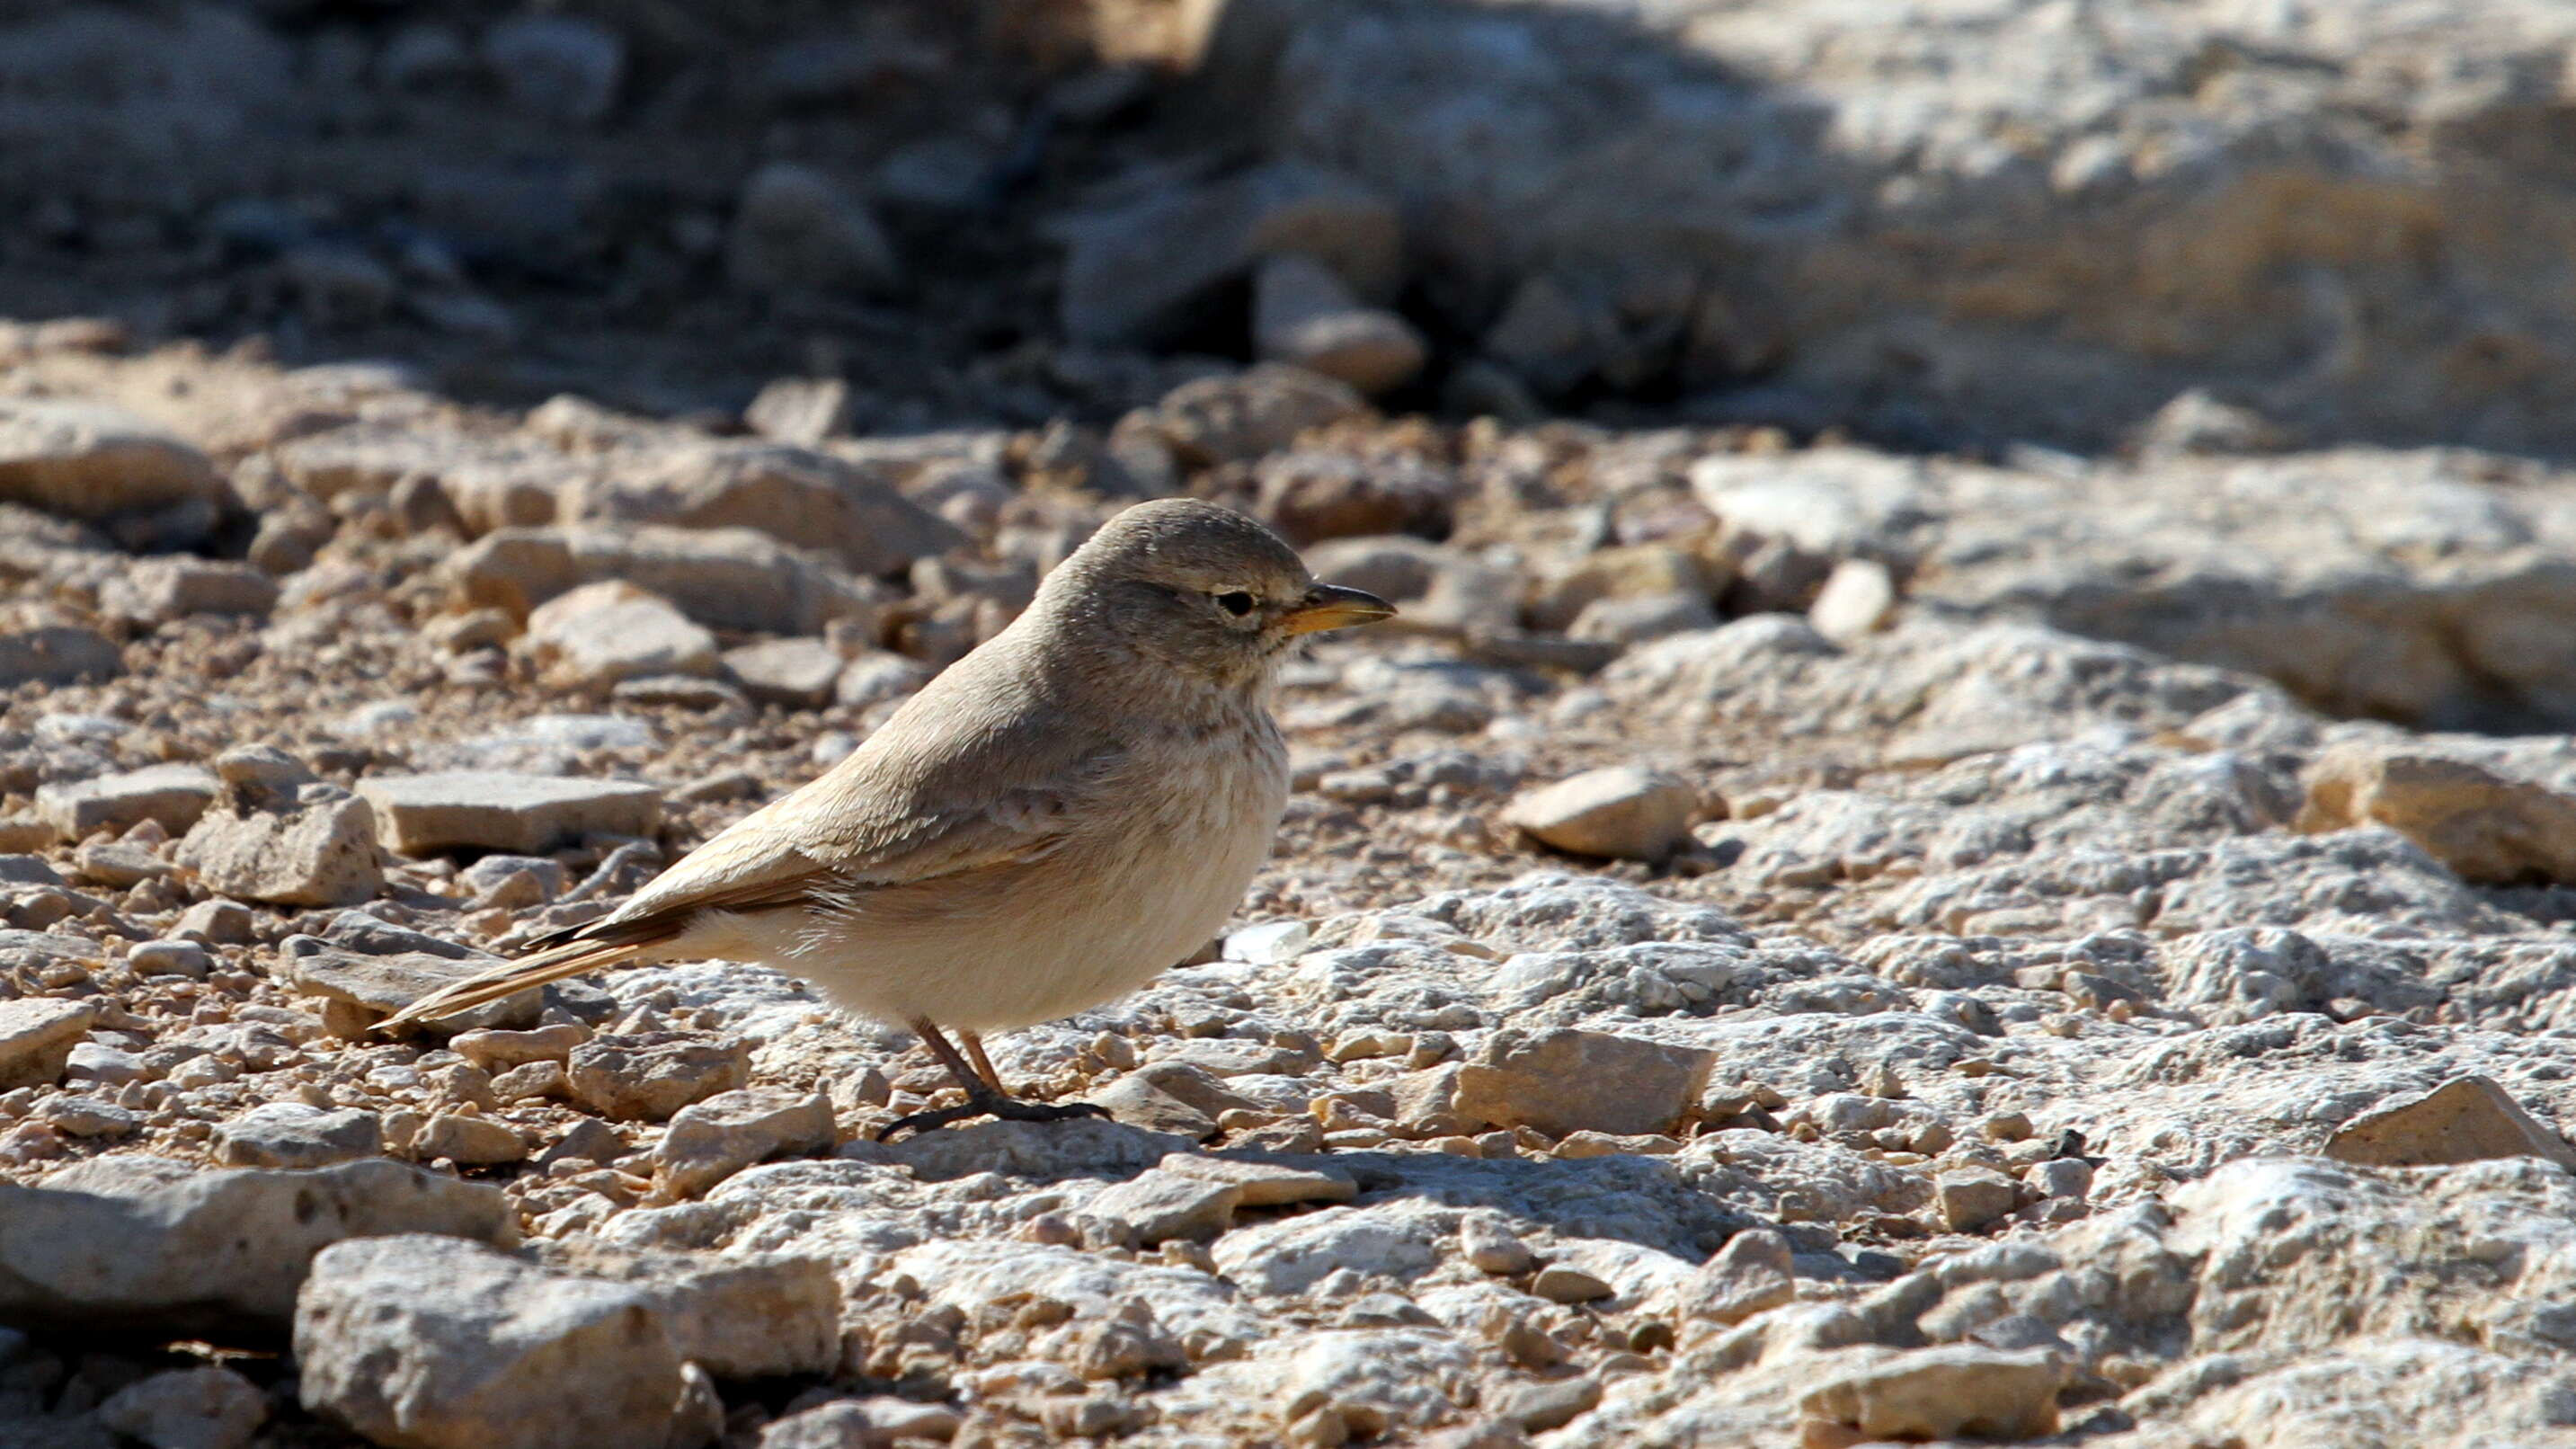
989,1104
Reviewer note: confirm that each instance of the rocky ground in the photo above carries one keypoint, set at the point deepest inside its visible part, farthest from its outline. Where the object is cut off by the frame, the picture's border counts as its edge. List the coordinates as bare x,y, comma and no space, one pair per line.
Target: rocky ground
1782,945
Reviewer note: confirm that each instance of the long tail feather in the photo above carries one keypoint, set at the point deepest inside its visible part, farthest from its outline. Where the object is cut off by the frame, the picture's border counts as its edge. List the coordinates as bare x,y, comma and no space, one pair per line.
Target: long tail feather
510,978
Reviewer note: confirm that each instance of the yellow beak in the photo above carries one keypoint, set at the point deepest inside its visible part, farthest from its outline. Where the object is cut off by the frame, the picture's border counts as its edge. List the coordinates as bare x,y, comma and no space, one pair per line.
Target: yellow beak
1330,606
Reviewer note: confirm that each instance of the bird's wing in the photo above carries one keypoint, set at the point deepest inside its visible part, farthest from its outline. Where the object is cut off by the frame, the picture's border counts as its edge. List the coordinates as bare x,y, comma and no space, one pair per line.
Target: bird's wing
934,793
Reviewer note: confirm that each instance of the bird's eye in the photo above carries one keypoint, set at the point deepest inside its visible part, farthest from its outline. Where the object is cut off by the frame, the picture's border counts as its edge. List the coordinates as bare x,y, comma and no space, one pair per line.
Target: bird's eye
1237,603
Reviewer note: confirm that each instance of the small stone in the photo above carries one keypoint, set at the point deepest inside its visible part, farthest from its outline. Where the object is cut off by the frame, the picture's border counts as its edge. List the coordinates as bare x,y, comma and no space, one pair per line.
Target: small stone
198,1408
2006,1127
1950,1392
743,1315
36,1039
801,410
605,633
1561,1284
1858,599
1624,812
308,845
796,673
1265,1184
216,923
469,1141
2466,1119
169,958
87,1117
862,1424
1156,1205
1747,1276
1548,1404
2063,1177
498,1050
712,1140
1269,943
496,810
292,1134
85,460
796,230
1972,1198
1493,1248
561,67
158,591
2487,827
534,1079
1566,1080
878,678
1304,313
442,1344
174,795
649,1077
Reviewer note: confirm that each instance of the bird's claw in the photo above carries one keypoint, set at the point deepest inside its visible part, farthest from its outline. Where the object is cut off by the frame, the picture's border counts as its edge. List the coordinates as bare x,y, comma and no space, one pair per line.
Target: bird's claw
990,1104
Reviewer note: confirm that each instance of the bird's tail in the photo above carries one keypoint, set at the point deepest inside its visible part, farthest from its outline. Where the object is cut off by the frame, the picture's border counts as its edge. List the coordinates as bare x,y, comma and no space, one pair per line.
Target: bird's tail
512,977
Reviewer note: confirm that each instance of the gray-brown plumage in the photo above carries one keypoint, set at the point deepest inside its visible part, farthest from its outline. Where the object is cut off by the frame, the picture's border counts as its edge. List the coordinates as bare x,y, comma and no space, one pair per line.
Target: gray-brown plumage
1052,821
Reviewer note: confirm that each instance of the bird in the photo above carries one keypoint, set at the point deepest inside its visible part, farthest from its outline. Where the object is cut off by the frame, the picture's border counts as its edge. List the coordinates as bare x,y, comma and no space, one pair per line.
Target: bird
1051,822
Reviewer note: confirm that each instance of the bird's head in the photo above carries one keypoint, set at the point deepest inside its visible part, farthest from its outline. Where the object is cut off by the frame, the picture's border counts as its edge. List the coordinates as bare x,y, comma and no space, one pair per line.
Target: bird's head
1200,588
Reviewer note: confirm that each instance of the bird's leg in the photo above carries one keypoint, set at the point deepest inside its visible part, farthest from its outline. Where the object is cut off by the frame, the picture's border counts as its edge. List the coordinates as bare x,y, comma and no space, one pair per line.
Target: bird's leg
984,1094
983,1064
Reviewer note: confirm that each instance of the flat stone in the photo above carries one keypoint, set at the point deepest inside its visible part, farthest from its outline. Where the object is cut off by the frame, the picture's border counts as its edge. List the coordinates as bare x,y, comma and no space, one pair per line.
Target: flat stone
2466,1119
1156,1205
88,460
1624,812
722,577
796,230
649,1077
365,988
1265,1184
1304,313
496,810
1951,1392
293,1134
174,795
797,673
1567,1080
150,1241
437,1343
712,1140
852,514
37,1035
498,1050
1558,1283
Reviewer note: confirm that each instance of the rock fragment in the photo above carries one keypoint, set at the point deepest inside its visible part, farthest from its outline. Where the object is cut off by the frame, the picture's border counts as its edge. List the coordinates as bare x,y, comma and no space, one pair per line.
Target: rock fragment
1569,1080
173,795
314,846
2466,1119
41,651
1973,1198
712,1140
1265,1184
605,633
1303,313
500,810
1858,598
796,673
796,230
651,1076
87,460
293,1134
1156,1206
198,1408
2484,826
150,1241
1747,1276
1624,812
1954,1391
436,1343
741,1315
37,1035
159,590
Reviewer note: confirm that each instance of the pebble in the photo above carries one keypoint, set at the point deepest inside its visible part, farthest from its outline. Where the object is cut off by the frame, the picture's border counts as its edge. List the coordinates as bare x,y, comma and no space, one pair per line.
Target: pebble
197,1408
649,1077
174,795
36,1039
711,1140
1624,812
293,1134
